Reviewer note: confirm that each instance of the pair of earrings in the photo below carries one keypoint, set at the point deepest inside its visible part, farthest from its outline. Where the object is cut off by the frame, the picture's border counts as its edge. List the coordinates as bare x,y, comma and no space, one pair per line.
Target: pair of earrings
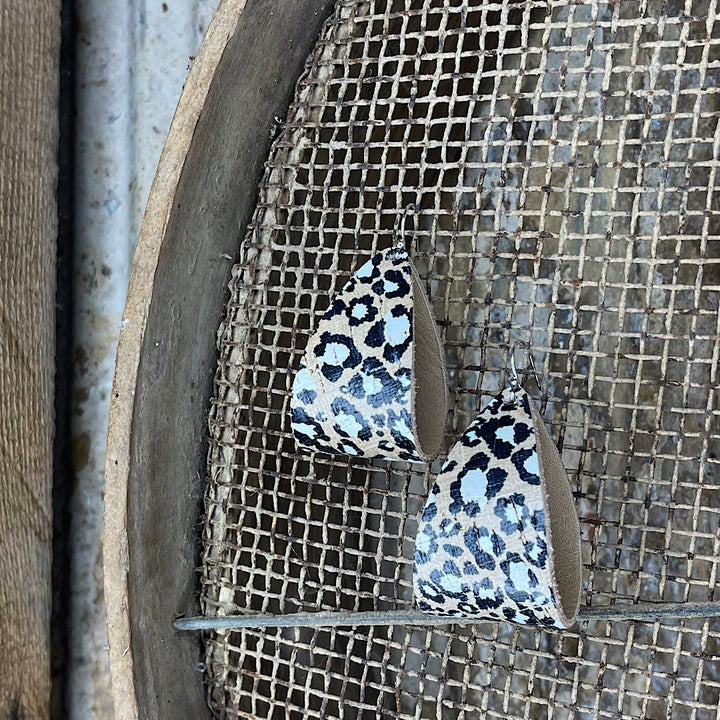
498,537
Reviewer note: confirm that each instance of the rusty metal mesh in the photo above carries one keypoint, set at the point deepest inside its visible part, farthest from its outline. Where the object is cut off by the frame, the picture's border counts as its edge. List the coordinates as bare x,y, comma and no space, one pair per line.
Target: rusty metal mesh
565,158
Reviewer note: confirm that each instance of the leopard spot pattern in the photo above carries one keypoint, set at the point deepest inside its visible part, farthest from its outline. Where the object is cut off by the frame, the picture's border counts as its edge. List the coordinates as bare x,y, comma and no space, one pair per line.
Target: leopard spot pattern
481,549
352,392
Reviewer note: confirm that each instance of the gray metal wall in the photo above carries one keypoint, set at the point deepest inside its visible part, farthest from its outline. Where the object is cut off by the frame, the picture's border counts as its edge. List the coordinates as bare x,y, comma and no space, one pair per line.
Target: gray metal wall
132,60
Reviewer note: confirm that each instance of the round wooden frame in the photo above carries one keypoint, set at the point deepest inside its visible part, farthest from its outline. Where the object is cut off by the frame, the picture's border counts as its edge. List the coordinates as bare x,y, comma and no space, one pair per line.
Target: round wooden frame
202,197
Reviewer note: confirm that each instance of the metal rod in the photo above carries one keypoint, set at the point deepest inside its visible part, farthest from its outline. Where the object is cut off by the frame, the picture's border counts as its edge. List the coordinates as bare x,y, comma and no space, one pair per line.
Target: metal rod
648,612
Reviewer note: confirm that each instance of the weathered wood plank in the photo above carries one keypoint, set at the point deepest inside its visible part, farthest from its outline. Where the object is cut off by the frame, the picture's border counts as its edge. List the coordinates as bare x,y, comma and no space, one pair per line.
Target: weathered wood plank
29,72
203,195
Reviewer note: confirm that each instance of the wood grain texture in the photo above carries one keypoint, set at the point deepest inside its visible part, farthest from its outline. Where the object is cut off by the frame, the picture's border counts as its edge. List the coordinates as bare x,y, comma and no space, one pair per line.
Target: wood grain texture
203,194
29,67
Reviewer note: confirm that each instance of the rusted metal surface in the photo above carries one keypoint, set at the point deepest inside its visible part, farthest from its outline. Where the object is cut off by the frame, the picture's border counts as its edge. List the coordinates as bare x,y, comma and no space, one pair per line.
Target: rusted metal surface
201,195
565,160
132,61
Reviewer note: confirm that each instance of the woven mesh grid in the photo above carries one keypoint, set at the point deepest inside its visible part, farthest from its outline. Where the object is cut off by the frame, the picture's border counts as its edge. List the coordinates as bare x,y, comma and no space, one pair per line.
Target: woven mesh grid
565,161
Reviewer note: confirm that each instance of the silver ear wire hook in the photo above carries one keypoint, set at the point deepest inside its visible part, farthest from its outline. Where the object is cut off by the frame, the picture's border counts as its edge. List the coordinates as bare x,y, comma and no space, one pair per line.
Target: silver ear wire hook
409,209
533,370
515,380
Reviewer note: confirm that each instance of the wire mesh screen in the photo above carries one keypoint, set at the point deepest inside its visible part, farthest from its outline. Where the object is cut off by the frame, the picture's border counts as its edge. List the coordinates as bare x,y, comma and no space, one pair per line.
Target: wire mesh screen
565,160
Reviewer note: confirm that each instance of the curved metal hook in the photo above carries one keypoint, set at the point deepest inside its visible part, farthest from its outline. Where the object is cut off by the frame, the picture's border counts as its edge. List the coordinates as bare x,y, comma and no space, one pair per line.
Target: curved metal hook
409,209
515,380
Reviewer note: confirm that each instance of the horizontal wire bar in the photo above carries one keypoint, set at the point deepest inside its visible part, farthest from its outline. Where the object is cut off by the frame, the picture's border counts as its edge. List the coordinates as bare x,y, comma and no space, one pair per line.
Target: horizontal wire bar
648,612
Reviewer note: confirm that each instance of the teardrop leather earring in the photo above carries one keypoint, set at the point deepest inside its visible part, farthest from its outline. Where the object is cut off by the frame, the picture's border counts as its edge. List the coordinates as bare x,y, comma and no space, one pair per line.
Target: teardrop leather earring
372,381
499,537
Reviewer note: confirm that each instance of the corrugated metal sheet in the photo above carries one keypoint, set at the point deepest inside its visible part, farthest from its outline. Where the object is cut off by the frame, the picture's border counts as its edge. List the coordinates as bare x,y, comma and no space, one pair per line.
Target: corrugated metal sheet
132,61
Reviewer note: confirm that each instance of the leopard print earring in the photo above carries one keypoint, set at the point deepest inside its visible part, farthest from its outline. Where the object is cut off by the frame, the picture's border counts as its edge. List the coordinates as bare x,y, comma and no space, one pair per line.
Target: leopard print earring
372,382
499,537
